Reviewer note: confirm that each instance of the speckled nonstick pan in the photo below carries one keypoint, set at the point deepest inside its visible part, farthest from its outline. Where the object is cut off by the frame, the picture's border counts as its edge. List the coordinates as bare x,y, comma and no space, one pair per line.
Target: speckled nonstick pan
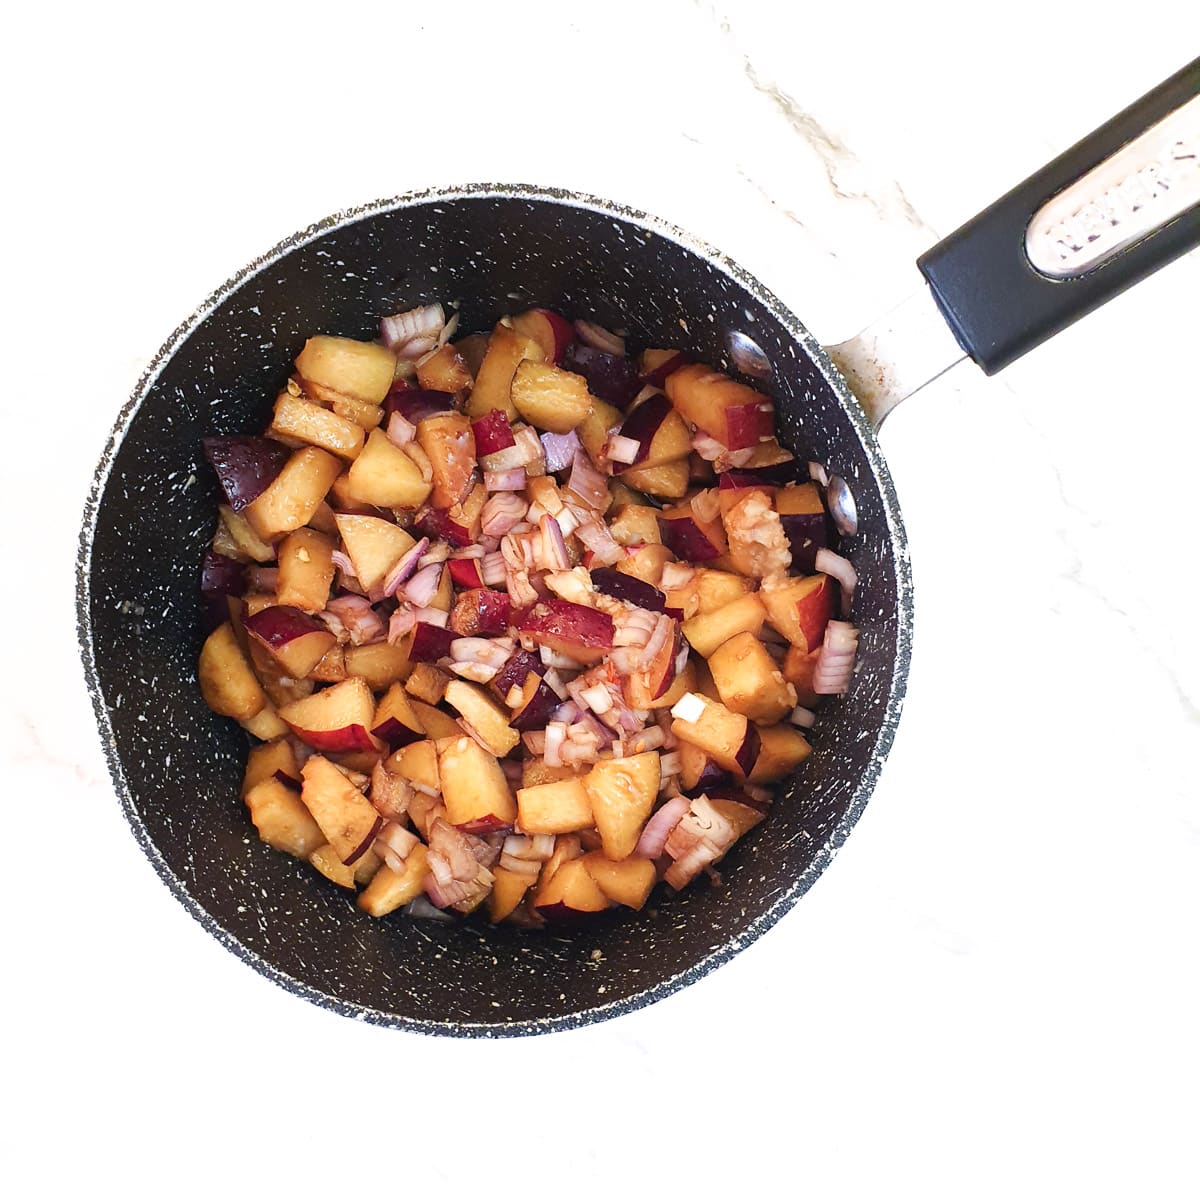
177,767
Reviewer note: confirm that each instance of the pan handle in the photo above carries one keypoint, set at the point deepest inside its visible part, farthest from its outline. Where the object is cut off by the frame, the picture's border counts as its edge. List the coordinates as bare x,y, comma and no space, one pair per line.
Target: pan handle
1107,213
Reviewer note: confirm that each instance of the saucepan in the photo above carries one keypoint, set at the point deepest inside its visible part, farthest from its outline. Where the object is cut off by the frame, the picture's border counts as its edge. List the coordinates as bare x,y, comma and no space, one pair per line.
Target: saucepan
1118,205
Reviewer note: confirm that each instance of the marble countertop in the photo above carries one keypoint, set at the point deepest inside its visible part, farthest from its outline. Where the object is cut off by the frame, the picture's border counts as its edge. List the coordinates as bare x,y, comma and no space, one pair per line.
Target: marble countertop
994,989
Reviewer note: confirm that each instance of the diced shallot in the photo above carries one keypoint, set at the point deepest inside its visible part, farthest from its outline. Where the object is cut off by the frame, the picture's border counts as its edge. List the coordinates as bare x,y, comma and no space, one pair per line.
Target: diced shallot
553,555
504,481
622,449
361,622
599,338
835,660
405,566
559,450
839,568
400,431
658,828
587,483
804,717
595,536
395,844
423,586
556,734
400,624
501,513
492,569
411,334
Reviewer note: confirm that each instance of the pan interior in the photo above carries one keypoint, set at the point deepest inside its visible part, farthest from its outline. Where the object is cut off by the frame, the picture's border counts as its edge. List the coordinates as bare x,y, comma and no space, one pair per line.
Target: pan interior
177,767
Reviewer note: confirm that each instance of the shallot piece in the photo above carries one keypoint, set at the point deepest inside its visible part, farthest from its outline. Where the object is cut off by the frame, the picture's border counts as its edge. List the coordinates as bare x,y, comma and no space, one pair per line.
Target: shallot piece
395,840
587,483
839,568
405,566
622,449
400,624
360,621
532,457
341,560
708,448
556,735
400,431
805,718
834,667
600,338
553,555
604,548
413,333
676,575
390,795
818,474
423,586
492,569
559,450
658,828
701,837
504,481
501,513
482,651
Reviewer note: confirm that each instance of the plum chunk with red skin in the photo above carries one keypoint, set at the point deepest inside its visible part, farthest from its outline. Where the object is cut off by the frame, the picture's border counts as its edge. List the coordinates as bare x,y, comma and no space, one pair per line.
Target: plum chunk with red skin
686,540
579,632
806,534
610,377
437,523
465,572
748,424
245,466
430,642
537,711
658,376
219,577
520,665
481,612
628,588
642,424
492,432
415,404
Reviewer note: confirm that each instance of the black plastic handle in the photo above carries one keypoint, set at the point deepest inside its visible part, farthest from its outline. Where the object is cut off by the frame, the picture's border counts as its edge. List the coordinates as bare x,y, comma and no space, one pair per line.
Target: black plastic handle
997,302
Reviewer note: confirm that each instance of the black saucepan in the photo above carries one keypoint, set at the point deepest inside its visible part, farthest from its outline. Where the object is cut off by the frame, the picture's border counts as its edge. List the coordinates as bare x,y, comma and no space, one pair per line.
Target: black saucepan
498,249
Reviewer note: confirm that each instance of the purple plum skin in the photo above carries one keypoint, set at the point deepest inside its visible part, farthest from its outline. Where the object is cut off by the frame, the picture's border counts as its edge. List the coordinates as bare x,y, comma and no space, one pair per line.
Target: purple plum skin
430,642
628,588
686,540
280,624
245,466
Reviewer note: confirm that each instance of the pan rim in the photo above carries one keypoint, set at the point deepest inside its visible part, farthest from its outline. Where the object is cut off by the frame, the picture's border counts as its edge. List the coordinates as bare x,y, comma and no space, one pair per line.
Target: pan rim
785,899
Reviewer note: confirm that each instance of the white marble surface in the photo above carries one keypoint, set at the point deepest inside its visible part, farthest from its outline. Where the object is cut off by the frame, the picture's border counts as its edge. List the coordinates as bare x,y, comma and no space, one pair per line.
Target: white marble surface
994,990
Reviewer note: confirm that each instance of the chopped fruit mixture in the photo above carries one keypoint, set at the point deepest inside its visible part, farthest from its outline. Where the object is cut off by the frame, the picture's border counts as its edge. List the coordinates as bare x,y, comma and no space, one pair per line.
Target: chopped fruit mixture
520,621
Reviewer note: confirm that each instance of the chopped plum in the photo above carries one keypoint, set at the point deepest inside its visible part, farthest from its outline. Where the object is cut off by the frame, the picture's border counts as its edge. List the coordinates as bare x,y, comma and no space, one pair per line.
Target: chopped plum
492,432
583,634
480,611
685,538
657,376
520,665
417,404
610,377
219,577
748,424
465,572
430,642
628,588
245,466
